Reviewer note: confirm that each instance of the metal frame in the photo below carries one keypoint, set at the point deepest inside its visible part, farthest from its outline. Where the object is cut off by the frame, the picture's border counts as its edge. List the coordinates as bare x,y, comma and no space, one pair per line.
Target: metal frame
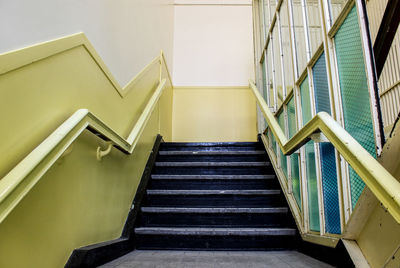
328,31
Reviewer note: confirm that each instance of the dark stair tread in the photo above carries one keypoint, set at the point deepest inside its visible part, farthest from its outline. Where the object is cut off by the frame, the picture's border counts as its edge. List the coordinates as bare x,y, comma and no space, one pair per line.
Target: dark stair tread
208,144
213,192
213,210
212,164
194,153
216,231
211,177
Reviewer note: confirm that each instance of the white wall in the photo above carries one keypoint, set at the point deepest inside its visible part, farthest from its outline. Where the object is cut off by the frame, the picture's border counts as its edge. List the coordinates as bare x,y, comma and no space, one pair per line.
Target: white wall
128,34
213,43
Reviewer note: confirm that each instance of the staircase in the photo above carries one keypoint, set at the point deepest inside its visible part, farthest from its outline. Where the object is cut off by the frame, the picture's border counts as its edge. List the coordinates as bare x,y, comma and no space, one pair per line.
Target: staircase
214,196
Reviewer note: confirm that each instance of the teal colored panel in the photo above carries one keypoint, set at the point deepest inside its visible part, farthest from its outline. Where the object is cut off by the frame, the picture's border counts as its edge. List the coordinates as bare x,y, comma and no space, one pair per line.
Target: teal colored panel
265,86
312,188
273,143
355,95
305,101
327,152
295,170
281,121
291,118
294,158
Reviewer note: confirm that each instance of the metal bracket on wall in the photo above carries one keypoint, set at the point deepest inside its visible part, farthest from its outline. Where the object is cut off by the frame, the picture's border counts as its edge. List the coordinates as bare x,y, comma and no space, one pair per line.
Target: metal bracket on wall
319,137
101,153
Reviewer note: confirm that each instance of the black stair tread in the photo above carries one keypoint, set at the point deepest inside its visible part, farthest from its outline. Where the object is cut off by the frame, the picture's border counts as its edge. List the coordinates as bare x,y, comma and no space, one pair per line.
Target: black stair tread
216,231
213,210
213,192
212,152
212,164
211,177
208,144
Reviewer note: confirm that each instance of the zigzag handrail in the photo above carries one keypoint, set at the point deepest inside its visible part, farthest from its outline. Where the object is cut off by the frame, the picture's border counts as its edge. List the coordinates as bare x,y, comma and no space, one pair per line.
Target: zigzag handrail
20,180
384,186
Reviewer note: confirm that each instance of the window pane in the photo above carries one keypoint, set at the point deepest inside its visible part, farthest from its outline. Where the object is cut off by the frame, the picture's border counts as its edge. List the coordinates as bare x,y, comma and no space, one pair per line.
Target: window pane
272,7
278,64
286,47
336,8
314,24
270,76
354,92
299,36
281,121
294,158
266,16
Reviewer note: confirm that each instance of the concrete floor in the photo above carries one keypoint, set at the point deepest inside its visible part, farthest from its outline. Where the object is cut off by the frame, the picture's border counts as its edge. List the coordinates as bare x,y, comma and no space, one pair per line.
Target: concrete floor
205,259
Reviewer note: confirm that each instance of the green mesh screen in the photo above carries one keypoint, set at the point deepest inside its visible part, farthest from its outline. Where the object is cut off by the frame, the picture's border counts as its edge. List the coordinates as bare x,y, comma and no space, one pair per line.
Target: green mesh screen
305,101
264,76
313,208
327,152
281,121
355,95
273,143
294,158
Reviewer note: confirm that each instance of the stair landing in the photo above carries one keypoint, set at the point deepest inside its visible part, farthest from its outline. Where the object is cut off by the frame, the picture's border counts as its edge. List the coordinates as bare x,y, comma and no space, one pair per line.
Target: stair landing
207,259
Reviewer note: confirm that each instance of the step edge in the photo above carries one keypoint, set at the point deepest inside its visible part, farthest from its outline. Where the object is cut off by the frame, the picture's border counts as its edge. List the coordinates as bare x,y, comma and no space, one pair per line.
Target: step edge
216,231
273,210
213,192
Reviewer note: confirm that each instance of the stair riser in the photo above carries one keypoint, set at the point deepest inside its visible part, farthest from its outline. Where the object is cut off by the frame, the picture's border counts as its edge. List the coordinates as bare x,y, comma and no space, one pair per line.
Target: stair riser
214,184
208,201
212,158
193,242
236,220
213,148
213,170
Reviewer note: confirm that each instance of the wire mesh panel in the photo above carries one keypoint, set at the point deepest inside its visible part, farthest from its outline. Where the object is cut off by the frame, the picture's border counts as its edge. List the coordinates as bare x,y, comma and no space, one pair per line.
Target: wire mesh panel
294,158
327,151
312,189
286,47
270,76
281,121
300,41
265,85
310,159
305,101
354,91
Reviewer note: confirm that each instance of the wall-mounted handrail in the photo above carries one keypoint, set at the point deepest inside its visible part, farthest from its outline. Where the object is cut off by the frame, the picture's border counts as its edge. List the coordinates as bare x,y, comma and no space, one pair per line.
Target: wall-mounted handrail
385,187
20,180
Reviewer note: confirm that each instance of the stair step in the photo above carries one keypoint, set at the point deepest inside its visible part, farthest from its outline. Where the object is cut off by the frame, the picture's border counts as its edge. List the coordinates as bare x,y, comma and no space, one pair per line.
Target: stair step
215,238
212,164
213,158
211,177
212,153
213,210
216,231
208,144
215,217
211,146
213,192
214,198
215,184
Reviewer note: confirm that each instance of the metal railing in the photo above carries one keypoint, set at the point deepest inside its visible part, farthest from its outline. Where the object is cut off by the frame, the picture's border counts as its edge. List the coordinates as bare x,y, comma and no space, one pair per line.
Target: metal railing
20,180
384,186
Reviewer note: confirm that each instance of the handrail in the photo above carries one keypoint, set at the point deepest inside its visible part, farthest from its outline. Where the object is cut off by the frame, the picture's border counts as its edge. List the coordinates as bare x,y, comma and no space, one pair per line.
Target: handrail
384,186
18,182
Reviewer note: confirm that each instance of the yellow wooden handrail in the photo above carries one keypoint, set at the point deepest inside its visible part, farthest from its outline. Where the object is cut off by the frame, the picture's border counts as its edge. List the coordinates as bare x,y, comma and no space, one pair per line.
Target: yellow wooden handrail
20,180
385,187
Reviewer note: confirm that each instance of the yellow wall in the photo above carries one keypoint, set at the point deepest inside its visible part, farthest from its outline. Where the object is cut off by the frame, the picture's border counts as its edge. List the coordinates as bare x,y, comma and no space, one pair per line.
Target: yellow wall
80,200
207,114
